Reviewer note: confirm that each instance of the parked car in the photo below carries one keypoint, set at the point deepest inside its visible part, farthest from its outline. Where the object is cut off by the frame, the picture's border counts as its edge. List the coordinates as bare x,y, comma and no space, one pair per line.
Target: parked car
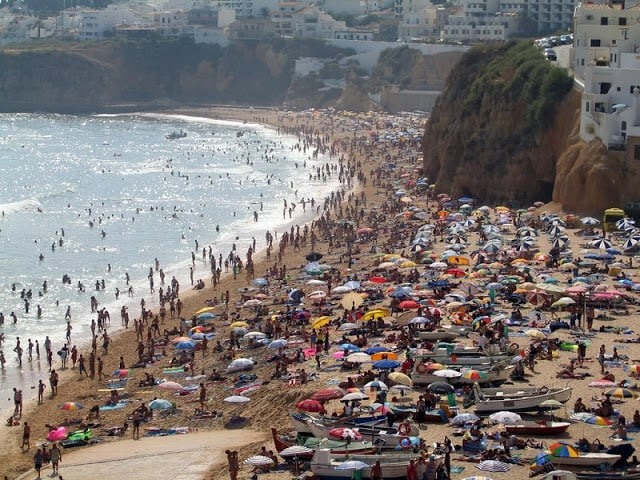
550,54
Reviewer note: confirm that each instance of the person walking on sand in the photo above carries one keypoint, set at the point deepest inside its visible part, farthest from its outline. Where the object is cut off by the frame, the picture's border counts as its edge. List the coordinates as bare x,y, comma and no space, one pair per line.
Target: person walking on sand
136,426
41,389
234,466
203,396
26,435
37,462
56,458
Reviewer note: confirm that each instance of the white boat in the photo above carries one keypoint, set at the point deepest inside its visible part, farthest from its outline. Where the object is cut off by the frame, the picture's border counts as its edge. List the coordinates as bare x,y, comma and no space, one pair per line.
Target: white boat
326,466
300,421
465,357
586,460
516,399
389,437
495,375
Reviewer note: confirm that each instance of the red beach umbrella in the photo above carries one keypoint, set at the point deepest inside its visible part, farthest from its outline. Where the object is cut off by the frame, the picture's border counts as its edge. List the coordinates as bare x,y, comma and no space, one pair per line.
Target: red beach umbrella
409,304
310,405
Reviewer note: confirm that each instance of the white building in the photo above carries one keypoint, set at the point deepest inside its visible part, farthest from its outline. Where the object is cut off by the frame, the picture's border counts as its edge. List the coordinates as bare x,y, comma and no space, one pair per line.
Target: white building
311,22
607,59
171,24
488,28
93,24
350,7
247,8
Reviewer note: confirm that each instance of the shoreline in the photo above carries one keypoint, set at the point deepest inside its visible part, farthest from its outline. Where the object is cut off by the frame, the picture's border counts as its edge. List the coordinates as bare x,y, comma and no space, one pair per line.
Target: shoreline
122,339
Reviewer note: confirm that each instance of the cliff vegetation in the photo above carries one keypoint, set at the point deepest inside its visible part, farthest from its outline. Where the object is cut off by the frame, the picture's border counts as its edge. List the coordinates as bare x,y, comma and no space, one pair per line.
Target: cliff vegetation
490,133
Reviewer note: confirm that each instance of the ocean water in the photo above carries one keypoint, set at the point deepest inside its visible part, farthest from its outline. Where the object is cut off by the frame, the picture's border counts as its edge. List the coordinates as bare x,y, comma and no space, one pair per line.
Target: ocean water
97,197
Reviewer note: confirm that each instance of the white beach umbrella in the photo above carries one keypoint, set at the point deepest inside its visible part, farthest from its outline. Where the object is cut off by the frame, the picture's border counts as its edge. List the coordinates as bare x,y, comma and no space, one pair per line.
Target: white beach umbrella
236,399
506,418
258,461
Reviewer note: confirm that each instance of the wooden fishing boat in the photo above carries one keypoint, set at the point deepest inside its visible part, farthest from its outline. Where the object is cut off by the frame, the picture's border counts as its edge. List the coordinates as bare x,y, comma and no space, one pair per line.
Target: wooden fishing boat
516,399
538,428
326,466
300,421
337,447
595,459
388,436
494,374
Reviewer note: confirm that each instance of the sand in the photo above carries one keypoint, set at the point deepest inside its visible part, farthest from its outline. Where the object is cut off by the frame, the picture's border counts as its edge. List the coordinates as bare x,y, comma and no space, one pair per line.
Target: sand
270,405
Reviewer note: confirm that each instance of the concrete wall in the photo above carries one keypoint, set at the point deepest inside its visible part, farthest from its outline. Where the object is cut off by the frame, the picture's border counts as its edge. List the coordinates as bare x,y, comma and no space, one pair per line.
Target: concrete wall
395,101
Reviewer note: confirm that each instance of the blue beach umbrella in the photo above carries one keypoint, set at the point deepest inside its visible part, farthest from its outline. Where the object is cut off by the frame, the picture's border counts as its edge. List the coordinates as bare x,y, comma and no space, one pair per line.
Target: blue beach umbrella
376,349
386,364
185,345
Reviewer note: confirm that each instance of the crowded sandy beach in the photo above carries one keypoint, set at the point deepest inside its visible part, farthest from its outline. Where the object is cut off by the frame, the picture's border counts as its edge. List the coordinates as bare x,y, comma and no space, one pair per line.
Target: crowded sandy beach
378,294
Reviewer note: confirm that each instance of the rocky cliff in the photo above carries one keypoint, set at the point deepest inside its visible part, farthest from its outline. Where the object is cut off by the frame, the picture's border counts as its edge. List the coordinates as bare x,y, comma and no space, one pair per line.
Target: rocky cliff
488,135
79,77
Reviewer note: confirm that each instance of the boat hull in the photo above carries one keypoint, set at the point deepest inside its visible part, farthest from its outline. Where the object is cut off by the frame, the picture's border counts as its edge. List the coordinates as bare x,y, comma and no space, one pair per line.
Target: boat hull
587,460
536,429
525,402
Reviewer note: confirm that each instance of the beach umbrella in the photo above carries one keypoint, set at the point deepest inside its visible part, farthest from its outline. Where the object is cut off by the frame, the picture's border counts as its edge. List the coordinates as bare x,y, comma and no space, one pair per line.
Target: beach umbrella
344,433
253,303
377,279
630,243
328,394
310,405
589,221
536,297
418,321
447,373
386,364
556,230
237,399
473,375
352,285
185,345
295,451
354,396
560,242
258,461
171,386
493,466
341,290
625,223
160,404
463,418
376,385
384,356
180,339
358,357
316,282
351,300
239,324
255,335
347,326
551,404
376,349
350,347
205,310
506,418
240,363
601,243
409,304
206,316
71,406
621,393
441,388
352,465
320,322
563,302
121,372
563,450
279,343
598,420
57,434
400,378
477,477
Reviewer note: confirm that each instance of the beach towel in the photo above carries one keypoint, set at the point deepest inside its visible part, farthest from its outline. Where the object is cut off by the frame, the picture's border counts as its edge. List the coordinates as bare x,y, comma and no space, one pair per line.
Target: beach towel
117,406
457,469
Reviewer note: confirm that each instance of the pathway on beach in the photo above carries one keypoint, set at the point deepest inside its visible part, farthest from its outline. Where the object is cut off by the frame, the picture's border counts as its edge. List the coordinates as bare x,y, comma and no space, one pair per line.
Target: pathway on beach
178,457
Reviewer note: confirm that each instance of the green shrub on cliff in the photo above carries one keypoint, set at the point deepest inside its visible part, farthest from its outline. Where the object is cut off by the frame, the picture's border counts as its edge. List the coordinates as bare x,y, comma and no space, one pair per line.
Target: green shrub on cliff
487,124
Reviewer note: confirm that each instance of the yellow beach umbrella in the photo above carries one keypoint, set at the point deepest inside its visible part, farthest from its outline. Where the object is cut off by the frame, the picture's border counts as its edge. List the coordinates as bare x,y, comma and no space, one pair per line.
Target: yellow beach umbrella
376,313
205,310
239,324
320,322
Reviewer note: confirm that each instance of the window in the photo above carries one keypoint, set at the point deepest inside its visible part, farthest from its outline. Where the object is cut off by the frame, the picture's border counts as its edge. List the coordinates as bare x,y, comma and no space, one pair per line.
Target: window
604,20
622,21
587,107
623,125
636,152
595,42
632,88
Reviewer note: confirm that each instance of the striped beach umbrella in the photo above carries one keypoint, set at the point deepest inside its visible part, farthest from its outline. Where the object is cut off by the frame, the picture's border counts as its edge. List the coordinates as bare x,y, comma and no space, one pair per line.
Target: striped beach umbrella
621,393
